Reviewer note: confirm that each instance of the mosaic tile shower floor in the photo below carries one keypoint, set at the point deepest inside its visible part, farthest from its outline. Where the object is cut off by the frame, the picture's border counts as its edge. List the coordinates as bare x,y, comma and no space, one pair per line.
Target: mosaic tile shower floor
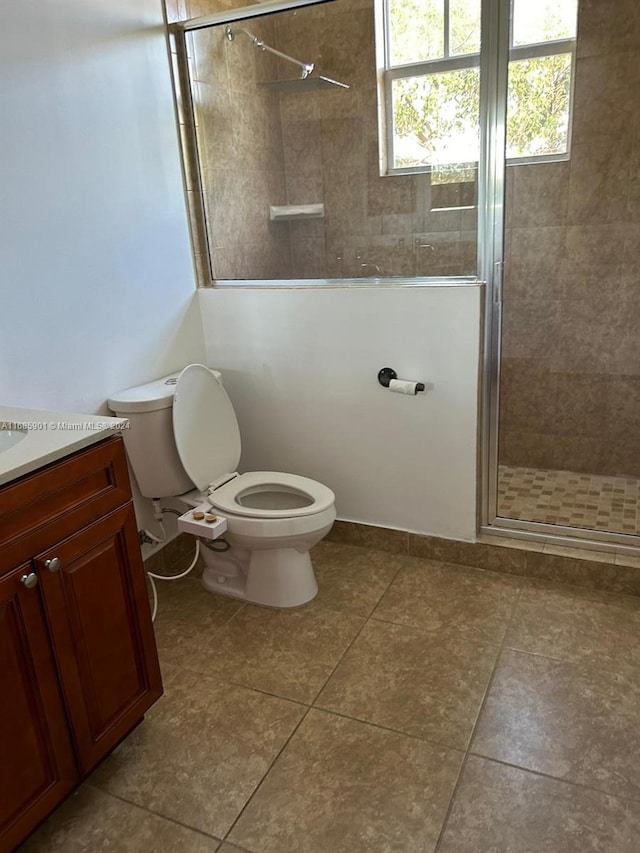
564,497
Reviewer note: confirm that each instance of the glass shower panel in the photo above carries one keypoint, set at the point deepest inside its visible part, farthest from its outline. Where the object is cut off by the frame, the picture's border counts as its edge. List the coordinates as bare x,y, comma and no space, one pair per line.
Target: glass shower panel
290,168
569,446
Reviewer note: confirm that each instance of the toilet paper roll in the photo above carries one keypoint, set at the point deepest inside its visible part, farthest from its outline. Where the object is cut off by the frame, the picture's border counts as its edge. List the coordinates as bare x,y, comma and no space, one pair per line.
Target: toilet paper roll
403,386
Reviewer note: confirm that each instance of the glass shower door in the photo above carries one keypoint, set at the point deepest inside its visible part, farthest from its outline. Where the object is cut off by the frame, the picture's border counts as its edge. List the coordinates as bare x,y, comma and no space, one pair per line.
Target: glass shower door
568,449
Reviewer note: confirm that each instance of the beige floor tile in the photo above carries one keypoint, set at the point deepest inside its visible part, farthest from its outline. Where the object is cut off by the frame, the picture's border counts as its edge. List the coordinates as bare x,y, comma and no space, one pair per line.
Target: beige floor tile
187,614
200,752
499,809
91,820
413,682
290,653
576,625
449,599
345,787
573,721
353,579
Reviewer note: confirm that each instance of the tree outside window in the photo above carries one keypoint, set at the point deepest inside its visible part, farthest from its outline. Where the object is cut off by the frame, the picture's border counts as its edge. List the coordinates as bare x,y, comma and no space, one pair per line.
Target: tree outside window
432,81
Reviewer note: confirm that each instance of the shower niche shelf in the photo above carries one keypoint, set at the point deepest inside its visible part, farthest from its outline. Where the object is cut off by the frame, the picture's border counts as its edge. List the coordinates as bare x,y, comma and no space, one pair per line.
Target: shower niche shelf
293,212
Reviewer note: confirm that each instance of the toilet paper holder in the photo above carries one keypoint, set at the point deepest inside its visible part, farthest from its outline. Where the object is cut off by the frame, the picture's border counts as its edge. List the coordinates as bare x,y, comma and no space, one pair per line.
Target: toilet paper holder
388,373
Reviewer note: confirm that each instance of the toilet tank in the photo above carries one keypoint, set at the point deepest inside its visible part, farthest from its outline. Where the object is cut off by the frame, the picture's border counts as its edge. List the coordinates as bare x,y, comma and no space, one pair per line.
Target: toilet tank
149,440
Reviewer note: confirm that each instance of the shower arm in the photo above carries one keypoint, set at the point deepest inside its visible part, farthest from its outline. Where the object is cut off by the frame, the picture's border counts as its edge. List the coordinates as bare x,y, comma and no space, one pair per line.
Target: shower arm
230,32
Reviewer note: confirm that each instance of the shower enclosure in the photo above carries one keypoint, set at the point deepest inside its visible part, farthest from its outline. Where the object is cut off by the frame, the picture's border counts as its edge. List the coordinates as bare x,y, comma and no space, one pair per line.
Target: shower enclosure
416,141
565,437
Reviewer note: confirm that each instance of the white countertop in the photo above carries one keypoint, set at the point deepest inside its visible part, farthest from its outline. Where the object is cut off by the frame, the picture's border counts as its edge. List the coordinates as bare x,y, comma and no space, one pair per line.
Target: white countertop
50,436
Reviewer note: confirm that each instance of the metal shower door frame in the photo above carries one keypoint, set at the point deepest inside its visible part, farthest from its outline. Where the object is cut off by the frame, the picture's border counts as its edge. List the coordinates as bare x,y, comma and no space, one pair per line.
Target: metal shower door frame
494,57
242,13
496,22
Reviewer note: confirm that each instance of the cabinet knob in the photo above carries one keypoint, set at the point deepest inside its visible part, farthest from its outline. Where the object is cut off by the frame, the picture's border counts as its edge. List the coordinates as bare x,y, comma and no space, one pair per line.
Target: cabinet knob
54,564
29,580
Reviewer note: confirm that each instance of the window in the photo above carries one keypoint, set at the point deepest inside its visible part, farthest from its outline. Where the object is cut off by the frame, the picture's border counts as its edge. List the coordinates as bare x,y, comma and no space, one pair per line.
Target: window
430,81
541,63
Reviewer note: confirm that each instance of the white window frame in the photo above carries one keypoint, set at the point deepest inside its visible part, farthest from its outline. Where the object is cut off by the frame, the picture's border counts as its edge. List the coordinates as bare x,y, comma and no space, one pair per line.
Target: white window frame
387,73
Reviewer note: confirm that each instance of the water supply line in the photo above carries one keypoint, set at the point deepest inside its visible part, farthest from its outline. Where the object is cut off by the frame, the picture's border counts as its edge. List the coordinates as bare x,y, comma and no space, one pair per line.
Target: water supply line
153,578
230,32
158,511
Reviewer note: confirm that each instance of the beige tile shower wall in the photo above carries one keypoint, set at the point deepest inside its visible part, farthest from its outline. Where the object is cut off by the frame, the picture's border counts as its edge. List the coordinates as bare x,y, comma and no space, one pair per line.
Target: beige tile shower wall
261,147
240,148
570,387
330,141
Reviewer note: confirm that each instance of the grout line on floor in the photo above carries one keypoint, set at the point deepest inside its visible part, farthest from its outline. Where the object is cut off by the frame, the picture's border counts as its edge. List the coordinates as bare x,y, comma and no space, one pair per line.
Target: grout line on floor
430,741
449,808
558,779
507,648
265,774
438,634
339,661
267,693
295,729
503,646
242,607
468,752
150,811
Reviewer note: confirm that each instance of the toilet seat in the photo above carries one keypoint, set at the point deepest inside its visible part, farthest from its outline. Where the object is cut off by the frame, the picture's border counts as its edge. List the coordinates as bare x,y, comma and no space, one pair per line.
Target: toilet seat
208,443
250,494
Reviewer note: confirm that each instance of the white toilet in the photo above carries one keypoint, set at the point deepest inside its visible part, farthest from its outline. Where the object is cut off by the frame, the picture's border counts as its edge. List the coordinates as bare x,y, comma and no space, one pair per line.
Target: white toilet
183,433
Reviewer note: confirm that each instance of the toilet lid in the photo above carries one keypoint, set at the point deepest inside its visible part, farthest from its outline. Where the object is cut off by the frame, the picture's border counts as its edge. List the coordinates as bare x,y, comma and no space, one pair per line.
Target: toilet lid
204,426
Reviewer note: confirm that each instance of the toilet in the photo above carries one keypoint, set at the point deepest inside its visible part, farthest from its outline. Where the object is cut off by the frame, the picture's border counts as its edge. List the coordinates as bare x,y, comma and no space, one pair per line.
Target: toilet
184,433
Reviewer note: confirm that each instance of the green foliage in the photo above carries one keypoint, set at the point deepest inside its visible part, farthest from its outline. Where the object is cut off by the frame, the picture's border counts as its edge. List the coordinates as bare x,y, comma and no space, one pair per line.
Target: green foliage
464,27
437,108
417,30
538,106
440,111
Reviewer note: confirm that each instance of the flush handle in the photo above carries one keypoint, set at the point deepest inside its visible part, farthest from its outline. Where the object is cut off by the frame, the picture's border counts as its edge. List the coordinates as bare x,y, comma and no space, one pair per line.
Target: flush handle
54,564
29,580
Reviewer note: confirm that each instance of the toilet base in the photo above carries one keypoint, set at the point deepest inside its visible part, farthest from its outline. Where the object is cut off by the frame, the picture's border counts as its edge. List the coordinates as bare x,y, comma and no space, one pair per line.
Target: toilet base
273,577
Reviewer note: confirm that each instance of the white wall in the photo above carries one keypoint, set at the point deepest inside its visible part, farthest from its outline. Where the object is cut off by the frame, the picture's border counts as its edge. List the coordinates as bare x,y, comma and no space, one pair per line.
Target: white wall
301,365
97,280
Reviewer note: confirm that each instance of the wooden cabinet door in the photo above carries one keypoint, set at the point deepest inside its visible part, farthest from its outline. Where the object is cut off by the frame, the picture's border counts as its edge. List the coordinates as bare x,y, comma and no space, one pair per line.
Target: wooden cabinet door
37,767
95,596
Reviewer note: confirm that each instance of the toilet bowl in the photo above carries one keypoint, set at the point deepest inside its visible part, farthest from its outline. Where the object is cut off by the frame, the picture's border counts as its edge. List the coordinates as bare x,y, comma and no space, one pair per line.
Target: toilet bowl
273,518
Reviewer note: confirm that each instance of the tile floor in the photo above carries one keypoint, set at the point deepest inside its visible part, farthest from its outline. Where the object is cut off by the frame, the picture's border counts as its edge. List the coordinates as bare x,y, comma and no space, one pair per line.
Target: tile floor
591,501
413,706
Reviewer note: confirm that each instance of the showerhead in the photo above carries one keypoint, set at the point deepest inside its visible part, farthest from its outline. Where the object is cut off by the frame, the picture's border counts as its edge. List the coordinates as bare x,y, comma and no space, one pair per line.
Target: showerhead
305,84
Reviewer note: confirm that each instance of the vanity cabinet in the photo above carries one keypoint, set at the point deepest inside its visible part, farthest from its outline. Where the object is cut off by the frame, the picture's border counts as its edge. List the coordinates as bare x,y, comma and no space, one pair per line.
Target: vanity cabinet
37,766
78,663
